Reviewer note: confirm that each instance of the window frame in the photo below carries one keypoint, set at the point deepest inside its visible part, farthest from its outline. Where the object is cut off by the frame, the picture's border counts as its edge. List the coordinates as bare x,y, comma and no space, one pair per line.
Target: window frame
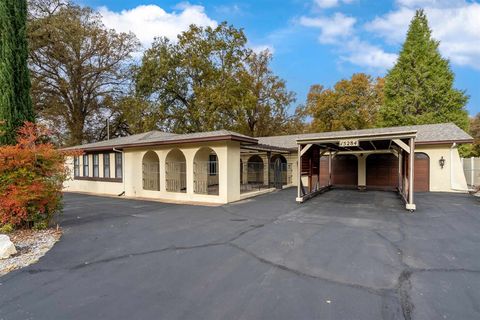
106,165
96,165
118,165
85,166
212,165
76,166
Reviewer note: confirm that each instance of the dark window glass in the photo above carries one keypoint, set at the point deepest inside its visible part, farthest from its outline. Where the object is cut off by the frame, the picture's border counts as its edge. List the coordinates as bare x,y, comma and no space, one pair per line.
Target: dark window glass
96,165
118,165
212,165
76,166
106,165
85,165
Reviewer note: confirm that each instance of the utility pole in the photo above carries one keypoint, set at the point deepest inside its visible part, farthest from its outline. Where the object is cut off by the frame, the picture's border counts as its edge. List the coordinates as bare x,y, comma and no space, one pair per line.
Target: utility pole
108,129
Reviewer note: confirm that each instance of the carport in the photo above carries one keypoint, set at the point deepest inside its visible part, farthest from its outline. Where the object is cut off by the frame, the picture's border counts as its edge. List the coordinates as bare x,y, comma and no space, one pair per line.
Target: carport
339,159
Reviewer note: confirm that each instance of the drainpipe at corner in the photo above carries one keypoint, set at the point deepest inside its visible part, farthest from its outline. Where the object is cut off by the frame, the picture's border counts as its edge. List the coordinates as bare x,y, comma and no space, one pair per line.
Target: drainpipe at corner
123,169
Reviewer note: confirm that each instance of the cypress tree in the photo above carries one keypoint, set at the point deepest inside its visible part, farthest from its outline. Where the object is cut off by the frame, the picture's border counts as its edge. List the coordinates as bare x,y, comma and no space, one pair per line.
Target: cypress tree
419,88
15,100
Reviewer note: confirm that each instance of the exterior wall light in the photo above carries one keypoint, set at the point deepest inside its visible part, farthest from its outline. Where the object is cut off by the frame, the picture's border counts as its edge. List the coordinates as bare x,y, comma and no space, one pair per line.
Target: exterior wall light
442,162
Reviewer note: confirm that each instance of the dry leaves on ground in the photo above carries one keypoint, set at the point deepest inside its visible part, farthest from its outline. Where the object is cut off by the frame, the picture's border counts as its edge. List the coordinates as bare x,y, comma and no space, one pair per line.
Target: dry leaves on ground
31,245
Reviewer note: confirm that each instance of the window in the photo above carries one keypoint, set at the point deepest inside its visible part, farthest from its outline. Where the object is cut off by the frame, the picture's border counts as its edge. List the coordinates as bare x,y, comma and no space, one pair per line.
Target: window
85,165
212,165
76,166
106,165
95,165
118,165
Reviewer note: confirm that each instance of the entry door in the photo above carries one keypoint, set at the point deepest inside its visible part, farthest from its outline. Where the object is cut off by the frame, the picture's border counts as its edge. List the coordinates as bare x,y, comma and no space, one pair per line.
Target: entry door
382,171
277,173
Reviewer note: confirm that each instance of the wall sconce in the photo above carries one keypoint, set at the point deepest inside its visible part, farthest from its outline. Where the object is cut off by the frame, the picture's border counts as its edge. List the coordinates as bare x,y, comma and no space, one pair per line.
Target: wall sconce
441,162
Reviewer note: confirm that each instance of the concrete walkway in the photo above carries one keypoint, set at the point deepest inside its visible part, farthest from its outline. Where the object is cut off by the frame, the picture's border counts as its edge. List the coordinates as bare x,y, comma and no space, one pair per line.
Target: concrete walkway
342,255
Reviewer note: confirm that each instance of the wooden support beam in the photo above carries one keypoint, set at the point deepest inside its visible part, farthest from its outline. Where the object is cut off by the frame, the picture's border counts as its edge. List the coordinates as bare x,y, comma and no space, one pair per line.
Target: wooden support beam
411,163
402,145
305,149
330,169
299,174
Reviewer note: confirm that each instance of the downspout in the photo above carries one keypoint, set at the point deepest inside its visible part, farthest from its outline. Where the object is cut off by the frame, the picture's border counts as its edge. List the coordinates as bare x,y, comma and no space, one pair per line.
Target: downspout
123,170
454,145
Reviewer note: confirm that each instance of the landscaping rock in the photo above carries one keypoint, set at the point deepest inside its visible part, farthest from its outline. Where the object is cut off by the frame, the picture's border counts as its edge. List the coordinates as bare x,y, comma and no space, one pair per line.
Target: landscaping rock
7,248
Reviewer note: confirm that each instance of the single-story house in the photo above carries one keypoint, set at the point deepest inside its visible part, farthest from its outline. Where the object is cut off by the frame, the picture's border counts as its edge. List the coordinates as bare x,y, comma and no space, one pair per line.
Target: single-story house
224,166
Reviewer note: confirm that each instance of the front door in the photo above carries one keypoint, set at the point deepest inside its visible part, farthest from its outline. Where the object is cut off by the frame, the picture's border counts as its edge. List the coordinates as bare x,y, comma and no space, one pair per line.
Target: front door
277,174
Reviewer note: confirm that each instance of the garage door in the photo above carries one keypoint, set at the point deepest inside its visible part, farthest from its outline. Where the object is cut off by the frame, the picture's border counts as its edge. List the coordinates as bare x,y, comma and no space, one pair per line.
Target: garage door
324,171
345,171
422,173
382,171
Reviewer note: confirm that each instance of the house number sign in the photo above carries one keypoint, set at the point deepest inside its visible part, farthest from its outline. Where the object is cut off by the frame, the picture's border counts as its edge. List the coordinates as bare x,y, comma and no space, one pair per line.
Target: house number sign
349,143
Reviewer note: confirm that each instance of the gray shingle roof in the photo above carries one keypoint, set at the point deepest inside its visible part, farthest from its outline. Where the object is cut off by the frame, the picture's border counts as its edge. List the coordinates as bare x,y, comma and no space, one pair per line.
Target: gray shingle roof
447,132
153,137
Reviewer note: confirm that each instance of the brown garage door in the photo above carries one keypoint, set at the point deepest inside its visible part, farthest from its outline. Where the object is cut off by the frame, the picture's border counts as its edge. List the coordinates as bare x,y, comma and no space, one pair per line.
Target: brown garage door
382,171
324,171
421,172
345,171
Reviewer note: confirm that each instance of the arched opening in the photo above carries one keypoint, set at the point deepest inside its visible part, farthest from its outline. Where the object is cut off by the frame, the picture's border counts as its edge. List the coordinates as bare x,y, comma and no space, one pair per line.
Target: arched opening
151,171
279,171
175,171
421,177
255,170
205,172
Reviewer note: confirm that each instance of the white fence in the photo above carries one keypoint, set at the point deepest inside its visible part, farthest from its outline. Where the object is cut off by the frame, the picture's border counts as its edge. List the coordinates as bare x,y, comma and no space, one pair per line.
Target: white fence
471,168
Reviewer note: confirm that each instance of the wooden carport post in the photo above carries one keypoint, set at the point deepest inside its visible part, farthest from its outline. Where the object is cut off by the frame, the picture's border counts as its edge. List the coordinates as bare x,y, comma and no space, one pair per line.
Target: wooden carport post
400,173
410,205
299,174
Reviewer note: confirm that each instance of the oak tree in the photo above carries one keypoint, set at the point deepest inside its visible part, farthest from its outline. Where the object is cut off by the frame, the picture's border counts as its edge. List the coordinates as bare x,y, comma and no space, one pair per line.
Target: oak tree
79,68
350,104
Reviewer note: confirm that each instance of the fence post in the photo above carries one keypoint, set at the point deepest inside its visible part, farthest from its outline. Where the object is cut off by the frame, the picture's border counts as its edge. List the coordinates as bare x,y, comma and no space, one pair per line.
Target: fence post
472,171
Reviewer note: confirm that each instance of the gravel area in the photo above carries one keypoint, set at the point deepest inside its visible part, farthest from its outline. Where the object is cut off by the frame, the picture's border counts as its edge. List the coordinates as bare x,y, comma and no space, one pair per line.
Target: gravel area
31,245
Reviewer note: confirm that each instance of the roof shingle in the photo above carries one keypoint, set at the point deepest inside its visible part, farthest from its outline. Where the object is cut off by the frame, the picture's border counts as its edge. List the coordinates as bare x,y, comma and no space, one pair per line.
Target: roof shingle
441,132
425,133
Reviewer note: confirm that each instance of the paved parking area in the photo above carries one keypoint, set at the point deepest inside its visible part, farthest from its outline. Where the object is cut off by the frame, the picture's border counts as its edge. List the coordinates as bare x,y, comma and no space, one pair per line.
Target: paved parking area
342,255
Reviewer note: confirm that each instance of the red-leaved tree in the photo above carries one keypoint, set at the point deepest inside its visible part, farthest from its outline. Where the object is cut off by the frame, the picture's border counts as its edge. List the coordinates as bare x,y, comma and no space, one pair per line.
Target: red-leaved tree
32,173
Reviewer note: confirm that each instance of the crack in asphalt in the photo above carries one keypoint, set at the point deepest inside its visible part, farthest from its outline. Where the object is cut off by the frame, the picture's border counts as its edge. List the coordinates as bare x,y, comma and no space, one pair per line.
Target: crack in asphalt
306,275
403,290
400,293
142,253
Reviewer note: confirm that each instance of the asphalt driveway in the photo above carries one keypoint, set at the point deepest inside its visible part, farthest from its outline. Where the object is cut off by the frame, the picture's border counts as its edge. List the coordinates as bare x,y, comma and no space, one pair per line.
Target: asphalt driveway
342,255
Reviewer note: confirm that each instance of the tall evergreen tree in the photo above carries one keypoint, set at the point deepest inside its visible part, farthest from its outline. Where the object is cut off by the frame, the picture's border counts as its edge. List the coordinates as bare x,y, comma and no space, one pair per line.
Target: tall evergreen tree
419,88
15,101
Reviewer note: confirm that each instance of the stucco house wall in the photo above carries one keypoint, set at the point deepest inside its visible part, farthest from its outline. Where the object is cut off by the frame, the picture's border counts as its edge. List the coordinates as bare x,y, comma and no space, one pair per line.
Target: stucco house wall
228,155
449,179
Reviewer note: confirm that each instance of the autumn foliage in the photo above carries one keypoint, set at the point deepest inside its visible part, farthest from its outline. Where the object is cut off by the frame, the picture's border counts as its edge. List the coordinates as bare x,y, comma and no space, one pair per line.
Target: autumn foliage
32,173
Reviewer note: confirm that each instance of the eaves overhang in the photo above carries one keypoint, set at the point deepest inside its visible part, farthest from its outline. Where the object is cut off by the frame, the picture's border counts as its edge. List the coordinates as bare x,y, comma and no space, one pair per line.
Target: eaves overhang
360,137
243,140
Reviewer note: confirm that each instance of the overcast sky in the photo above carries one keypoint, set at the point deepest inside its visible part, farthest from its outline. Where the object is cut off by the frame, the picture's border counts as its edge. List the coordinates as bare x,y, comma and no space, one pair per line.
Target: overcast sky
317,41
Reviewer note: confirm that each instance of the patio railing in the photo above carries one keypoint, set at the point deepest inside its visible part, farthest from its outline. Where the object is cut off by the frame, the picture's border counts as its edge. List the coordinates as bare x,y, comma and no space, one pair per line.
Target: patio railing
176,176
205,177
